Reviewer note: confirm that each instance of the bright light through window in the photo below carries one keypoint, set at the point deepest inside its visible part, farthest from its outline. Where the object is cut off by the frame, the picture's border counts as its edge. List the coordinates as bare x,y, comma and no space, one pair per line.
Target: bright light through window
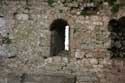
67,38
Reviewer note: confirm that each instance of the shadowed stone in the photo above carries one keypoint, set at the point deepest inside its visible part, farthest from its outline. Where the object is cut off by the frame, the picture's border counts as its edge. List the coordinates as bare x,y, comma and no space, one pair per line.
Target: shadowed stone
38,78
49,78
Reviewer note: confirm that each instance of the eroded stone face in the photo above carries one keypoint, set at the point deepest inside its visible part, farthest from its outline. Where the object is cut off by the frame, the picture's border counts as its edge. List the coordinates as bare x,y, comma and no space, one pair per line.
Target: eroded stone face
88,58
38,78
23,17
3,27
6,48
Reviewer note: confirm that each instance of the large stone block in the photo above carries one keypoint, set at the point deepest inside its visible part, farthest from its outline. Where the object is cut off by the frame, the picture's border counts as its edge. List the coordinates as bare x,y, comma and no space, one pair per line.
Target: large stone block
49,78
38,78
22,17
10,78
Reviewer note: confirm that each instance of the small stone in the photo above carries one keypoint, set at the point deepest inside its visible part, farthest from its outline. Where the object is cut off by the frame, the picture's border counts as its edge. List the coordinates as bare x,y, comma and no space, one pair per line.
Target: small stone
97,23
77,54
93,61
48,60
22,17
91,28
65,59
57,59
78,13
105,4
2,22
89,55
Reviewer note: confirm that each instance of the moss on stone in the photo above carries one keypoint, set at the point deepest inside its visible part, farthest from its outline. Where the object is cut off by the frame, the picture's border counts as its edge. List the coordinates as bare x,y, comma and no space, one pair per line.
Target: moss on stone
50,2
6,40
115,8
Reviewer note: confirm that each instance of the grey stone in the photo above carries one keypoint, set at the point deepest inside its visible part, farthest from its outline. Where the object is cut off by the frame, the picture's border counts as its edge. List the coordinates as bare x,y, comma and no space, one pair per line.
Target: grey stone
13,78
49,78
7,50
86,78
29,21
38,78
22,17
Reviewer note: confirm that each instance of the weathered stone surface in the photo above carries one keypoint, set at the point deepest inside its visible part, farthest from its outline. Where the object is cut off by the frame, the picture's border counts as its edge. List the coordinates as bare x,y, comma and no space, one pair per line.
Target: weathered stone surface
7,51
22,17
87,77
49,78
28,22
38,78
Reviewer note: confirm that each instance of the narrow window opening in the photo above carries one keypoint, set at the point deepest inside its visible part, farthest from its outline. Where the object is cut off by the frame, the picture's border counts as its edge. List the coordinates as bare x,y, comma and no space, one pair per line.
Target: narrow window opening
117,29
59,36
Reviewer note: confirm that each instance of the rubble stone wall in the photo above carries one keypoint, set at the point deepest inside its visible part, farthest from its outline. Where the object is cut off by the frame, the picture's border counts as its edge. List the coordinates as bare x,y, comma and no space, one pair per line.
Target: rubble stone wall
28,24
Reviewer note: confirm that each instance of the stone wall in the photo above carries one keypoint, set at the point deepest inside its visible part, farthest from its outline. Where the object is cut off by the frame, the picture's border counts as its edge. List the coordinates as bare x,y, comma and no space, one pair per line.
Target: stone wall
28,23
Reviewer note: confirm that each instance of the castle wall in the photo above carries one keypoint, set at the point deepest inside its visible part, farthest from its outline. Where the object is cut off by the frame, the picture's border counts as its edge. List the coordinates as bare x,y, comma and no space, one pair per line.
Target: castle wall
28,24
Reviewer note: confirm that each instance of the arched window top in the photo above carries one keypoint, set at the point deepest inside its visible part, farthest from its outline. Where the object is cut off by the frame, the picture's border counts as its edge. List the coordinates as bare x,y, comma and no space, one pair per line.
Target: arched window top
117,29
122,21
113,23
58,23
116,23
59,36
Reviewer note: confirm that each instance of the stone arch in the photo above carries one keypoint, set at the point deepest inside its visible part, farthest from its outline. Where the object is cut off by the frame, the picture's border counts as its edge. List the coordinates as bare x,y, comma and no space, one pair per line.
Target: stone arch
59,36
117,29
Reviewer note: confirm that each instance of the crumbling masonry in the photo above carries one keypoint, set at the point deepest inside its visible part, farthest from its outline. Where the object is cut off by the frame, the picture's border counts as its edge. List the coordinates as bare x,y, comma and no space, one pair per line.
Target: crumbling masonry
32,42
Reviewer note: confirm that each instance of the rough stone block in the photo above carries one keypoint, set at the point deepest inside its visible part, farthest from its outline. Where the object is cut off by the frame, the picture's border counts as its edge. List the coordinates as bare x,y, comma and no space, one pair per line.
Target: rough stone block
65,60
86,78
56,59
22,17
53,67
93,61
13,78
49,78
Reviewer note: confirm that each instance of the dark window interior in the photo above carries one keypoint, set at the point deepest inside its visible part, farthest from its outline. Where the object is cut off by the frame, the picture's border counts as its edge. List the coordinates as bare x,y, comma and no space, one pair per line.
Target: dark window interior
57,29
117,29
